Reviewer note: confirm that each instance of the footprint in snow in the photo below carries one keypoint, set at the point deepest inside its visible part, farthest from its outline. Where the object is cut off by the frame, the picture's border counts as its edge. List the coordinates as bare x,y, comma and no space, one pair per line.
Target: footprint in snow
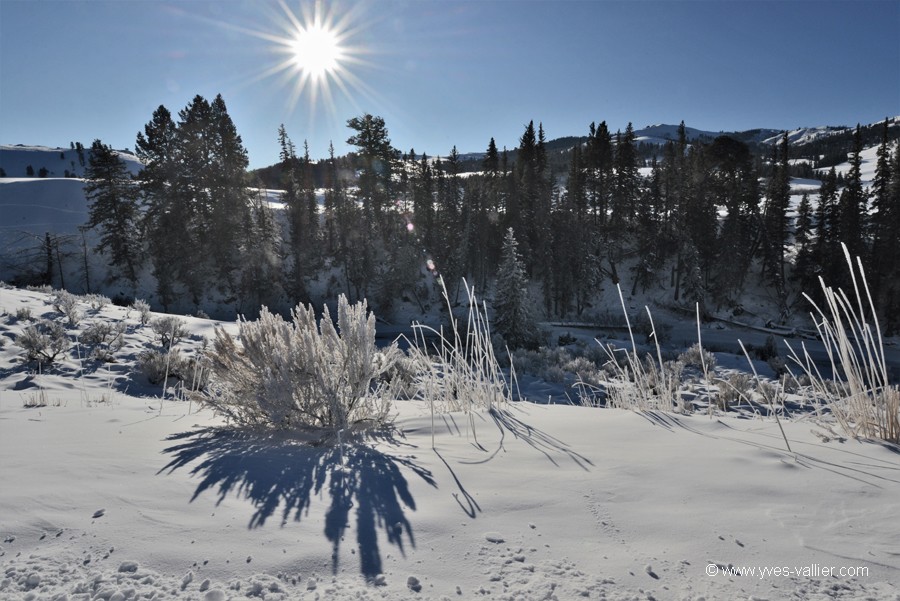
99,513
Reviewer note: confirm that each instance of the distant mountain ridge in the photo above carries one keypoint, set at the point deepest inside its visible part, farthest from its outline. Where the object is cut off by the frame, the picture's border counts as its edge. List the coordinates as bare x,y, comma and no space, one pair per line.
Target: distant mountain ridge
662,133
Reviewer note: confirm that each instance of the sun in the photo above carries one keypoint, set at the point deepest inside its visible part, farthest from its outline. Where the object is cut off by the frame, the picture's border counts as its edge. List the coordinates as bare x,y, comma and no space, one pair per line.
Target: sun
317,51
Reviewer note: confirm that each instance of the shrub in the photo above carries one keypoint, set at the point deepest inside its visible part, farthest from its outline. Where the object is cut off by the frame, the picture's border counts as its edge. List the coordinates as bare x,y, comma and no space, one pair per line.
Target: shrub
300,373
105,338
143,309
67,304
733,389
97,301
157,365
23,314
169,330
44,341
697,356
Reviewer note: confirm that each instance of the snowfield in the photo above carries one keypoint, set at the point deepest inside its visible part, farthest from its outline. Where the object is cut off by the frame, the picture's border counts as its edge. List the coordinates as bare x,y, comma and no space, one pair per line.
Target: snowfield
108,491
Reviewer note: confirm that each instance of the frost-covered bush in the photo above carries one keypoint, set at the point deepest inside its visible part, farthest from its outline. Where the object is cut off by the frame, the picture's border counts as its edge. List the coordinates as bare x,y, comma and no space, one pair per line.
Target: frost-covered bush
66,303
301,373
143,309
23,314
106,338
44,341
169,330
736,387
157,365
97,301
699,357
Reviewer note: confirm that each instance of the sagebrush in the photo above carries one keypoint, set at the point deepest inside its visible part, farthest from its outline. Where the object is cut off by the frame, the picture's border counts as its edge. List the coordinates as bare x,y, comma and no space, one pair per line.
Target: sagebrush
302,373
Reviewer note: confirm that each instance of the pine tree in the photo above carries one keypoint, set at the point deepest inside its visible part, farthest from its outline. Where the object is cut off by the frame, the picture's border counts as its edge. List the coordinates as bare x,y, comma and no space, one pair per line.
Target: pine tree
778,195
805,270
626,182
733,183
113,208
599,163
231,221
513,317
378,163
852,205
827,247
885,223
165,215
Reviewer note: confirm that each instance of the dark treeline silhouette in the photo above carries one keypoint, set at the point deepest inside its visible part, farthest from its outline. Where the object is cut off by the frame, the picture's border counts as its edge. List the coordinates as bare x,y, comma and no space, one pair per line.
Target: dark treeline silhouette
696,221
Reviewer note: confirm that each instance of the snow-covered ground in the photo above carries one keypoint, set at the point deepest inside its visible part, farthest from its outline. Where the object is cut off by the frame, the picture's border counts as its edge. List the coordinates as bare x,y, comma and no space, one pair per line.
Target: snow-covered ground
109,492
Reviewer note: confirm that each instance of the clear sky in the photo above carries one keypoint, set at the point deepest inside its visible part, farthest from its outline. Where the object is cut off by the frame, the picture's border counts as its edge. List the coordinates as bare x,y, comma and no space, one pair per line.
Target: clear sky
443,72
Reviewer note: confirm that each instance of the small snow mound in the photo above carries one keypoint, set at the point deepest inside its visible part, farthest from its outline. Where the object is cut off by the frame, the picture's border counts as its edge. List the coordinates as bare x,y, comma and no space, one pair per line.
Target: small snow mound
413,584
128,566
215,595
494,537
311,584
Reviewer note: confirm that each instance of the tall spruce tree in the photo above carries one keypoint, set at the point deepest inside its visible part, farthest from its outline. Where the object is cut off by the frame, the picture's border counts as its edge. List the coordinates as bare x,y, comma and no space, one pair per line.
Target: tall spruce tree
165,215
853,203
778,195
805,269
513,317
113,208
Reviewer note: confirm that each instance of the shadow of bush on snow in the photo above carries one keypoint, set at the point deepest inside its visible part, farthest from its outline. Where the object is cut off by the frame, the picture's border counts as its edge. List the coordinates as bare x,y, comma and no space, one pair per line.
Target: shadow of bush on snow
282,474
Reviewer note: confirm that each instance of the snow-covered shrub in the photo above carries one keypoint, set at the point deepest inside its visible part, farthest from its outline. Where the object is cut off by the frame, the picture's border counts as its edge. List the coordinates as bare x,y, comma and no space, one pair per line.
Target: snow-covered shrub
106,338
66,303
154,364
96,301
162,366
23,314
866,404
736,387
143,309
44,341
697,356
301,373
169,330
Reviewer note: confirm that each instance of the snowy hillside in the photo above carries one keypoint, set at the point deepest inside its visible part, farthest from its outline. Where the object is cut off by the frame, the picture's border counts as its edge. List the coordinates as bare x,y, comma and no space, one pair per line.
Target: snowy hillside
661,133
805,135
15,160
112,492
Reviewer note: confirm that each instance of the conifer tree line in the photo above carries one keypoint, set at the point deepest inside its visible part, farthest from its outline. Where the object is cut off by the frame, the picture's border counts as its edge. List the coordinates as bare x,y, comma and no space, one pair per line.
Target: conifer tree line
698,221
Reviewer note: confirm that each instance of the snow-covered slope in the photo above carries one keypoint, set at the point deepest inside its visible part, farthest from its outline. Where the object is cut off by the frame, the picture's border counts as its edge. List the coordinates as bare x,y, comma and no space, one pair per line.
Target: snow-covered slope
111,493
16,159
662,133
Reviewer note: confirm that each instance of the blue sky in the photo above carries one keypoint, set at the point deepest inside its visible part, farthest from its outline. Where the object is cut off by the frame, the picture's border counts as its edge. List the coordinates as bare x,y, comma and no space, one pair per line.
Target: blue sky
451,72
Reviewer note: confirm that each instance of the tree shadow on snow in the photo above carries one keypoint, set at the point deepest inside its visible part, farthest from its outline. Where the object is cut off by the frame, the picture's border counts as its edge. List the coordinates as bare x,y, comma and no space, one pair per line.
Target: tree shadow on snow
280,475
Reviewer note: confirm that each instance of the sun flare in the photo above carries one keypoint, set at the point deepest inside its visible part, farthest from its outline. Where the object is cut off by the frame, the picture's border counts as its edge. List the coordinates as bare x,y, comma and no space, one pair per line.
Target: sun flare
317,51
